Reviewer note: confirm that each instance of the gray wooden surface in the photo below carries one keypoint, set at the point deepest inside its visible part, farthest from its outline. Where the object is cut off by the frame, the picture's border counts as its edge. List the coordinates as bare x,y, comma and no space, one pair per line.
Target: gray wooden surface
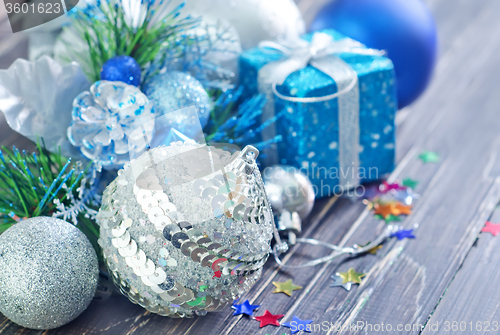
472,301
447,274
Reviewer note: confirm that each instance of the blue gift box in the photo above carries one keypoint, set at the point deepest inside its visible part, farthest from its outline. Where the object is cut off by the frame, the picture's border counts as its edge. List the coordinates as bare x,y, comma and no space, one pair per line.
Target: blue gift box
310,131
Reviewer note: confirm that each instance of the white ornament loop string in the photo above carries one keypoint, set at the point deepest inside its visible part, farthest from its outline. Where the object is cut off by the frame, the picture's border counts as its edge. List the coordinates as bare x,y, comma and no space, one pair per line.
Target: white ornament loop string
282,247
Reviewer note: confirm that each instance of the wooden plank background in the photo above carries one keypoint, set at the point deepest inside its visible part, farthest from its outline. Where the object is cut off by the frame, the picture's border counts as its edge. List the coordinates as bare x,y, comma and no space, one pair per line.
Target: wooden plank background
447,274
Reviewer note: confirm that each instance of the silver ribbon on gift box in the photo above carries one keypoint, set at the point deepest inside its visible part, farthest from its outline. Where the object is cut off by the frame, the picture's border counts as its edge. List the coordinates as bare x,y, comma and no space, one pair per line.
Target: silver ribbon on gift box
322,53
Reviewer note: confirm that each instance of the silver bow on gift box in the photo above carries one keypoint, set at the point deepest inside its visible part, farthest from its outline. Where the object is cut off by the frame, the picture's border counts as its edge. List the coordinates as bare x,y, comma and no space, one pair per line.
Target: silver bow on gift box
322,53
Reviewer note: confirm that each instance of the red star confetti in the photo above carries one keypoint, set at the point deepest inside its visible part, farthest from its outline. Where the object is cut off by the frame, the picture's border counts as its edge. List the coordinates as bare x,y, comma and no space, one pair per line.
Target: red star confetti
269,319
492,228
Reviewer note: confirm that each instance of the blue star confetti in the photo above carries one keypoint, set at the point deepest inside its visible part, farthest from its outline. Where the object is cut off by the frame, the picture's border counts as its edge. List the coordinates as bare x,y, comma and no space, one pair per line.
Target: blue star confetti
297,325
244,308
404,233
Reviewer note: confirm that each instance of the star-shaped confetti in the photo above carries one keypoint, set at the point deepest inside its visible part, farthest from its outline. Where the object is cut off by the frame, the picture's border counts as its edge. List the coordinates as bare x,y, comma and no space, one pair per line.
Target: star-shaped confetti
244,308
383,209
286,287
389,219
492,228
401,208
411,183
351,276
429,157
338,281
269,319
386,187
392,208
373,250
297,325
404,233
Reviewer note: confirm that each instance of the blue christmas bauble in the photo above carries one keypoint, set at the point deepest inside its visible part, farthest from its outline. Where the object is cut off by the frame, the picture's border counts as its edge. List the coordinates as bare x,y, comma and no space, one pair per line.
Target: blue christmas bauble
171,91
404,28
122,68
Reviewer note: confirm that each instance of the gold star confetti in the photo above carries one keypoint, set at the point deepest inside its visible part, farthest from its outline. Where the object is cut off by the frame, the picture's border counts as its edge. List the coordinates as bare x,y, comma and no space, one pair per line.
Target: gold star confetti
351,276
286,287
373,250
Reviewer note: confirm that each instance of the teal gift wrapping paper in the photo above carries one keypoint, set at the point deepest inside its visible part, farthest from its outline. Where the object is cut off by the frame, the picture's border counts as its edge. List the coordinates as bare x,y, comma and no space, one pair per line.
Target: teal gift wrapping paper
310,131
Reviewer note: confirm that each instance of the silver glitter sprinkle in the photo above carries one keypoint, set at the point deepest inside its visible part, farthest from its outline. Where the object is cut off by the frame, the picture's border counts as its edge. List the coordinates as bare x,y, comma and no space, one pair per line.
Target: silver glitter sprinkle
48,273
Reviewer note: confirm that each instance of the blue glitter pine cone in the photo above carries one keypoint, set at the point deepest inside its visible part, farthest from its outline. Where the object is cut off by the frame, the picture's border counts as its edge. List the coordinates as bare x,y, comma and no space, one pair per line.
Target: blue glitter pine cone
122,68
104,119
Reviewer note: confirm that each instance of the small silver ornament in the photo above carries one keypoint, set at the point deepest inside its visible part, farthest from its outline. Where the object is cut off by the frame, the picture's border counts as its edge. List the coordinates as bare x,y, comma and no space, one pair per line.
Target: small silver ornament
289,189
48,273
173,90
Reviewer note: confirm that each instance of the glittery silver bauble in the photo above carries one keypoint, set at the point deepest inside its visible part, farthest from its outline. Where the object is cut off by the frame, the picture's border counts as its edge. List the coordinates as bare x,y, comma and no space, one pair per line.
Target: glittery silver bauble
255,20
48,273
186,229
289,189
174,90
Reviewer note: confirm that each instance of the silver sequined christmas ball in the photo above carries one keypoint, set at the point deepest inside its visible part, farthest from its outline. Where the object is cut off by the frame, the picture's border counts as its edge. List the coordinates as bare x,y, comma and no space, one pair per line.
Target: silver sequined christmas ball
186,229
174,90
48,273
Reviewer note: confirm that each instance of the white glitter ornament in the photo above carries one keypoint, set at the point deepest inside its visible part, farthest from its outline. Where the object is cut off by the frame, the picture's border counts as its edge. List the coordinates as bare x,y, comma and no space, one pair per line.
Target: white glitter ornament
173,90
48,273
219,48
186,228
255,20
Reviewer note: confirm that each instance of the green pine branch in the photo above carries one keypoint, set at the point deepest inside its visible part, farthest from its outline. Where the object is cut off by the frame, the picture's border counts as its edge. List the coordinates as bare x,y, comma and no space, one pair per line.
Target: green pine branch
104,30
30,182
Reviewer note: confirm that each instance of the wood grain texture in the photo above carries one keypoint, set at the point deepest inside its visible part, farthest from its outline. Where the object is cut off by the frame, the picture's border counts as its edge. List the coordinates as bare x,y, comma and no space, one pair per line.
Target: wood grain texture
471,304
457,117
